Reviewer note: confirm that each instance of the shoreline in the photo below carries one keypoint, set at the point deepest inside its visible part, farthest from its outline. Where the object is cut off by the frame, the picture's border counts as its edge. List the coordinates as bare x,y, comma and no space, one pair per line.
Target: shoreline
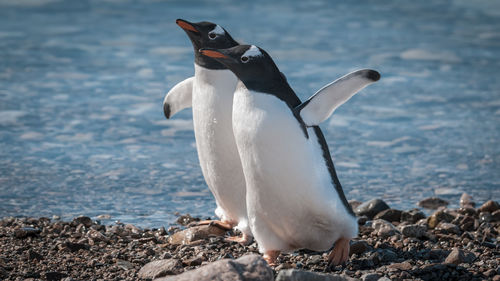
450,244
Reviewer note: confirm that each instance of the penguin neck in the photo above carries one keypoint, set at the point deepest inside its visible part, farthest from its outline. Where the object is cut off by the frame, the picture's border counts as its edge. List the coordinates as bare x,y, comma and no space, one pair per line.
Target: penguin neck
206,62
276,87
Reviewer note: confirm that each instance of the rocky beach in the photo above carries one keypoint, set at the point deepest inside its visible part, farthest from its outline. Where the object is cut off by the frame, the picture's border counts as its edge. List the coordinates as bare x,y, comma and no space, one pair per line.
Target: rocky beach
449,244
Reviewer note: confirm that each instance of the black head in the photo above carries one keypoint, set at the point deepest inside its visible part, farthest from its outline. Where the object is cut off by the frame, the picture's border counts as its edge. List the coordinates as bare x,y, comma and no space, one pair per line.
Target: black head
254,67
207,35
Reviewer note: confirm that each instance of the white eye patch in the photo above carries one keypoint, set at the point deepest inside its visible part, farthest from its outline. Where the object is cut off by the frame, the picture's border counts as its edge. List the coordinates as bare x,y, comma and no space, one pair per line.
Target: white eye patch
218,30
252,52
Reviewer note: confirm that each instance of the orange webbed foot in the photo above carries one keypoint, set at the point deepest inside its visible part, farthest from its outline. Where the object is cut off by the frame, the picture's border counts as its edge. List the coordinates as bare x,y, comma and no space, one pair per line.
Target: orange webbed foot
340,252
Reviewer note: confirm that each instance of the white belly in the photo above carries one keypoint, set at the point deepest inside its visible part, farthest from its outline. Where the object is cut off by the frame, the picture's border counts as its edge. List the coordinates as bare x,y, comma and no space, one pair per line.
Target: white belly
291,201
212,101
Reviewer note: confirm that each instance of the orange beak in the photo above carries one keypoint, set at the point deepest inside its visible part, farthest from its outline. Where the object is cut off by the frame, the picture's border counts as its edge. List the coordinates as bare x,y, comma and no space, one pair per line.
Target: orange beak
213,54
186,26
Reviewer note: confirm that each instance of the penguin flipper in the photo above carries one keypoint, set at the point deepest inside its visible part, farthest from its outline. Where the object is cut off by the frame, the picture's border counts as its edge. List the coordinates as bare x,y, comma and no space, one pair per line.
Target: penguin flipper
322,104
178,98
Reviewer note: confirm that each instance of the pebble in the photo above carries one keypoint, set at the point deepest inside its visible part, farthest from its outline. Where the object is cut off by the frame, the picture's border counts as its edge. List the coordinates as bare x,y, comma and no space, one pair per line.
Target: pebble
466,201
370,277
26,232
86,221
160,268
249,268
391,215
383,228
371,208
489,206
446,228
195,233
301,275
439,216
358,247
412,216
414,230
432,203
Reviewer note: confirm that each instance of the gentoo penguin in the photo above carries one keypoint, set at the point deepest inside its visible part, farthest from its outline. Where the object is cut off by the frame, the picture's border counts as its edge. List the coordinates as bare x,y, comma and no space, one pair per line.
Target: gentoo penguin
210,94
294,198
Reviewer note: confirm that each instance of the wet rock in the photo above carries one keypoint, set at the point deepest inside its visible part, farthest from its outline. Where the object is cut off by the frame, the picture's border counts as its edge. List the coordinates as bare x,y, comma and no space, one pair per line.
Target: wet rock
354,203
469,211
370,277
97,236
26,232
193,261
467,223
495,216
414,230
86,221
358,247
446,227
489,206
439,216
33,255
195,233
401,266
383,228
73,247
412,216
362,220
432,203
390,215
160,268
484,217
458,256
371,208
301,275
54,276
466,201
249,268
186,219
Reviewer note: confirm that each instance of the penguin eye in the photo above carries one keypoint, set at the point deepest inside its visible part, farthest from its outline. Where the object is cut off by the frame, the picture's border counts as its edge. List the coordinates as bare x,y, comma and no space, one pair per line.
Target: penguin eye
244,59
212,35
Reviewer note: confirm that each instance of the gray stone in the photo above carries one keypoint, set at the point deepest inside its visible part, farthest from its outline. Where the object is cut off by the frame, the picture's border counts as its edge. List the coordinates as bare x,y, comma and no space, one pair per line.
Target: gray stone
358,247
466,201
383,278
414,230
447,227
383,228
370,277
458,256
301,275
371,208
432,203
25,232
389,215
195,233
247,268
160,268
82,220
412,216
439,216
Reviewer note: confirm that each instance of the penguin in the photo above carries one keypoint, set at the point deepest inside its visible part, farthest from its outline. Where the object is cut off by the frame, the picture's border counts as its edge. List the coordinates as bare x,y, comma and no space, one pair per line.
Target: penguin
294,197
210,94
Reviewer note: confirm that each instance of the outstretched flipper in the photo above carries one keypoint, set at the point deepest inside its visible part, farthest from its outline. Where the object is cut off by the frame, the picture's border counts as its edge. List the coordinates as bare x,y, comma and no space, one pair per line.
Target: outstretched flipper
178,98
322,104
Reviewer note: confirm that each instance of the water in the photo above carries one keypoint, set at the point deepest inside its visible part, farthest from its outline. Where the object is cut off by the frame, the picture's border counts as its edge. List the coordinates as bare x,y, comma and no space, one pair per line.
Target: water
82,83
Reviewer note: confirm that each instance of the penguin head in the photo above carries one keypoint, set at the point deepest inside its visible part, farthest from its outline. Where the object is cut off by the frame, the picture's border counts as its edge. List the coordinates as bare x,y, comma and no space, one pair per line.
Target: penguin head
251,64
207,35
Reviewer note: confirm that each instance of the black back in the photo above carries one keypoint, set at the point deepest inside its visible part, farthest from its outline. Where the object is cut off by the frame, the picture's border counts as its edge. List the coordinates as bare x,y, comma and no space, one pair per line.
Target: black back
260,74
207,38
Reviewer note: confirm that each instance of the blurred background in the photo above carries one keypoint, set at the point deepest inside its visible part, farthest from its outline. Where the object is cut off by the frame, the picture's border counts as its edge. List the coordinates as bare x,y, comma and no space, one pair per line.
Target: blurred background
82,83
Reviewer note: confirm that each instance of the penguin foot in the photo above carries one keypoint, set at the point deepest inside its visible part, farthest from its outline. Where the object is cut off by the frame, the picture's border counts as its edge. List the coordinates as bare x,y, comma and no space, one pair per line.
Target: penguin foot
244,239
270,257
221,224
340,252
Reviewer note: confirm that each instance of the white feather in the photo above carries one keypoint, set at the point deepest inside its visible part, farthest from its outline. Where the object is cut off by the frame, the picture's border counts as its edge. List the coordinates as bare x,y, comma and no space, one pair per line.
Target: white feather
291,202
219,160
